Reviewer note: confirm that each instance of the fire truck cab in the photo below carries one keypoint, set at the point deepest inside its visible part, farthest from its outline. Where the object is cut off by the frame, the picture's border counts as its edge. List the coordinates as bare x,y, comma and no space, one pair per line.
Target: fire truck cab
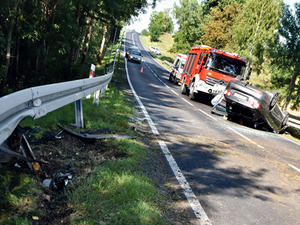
208,70
177,68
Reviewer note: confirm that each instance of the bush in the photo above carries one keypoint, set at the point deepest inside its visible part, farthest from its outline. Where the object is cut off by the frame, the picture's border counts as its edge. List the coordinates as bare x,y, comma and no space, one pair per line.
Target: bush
145,32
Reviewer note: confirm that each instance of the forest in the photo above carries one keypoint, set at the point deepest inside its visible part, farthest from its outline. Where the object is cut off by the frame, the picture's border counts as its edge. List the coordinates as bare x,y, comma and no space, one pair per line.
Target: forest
49,41
265,32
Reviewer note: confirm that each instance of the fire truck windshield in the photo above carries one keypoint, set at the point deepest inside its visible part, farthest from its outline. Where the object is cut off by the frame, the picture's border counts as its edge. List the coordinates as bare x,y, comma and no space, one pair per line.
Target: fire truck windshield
225,65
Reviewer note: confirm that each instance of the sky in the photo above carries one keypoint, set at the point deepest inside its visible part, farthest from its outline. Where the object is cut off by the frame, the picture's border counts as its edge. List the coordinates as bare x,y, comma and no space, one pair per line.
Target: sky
144,19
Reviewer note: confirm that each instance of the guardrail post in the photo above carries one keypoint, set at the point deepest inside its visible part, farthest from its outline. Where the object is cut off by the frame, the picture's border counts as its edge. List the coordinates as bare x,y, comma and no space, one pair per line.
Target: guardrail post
96,97
78,113
103,90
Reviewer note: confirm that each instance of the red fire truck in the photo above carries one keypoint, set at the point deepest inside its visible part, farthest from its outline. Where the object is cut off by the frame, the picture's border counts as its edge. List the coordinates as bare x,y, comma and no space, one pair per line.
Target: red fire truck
208,70
177,68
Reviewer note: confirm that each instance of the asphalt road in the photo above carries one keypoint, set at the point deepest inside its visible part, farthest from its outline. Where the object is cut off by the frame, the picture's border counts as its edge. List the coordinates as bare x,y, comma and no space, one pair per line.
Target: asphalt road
239,175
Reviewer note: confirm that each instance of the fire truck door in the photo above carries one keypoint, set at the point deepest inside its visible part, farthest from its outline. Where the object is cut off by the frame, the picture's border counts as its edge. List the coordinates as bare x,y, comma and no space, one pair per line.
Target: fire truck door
202,61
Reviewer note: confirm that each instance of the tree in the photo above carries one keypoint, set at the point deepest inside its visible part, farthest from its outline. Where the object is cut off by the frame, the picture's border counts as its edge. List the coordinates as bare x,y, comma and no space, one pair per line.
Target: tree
145,32
218,30
190,17
255,27
159,22
285,57
44,39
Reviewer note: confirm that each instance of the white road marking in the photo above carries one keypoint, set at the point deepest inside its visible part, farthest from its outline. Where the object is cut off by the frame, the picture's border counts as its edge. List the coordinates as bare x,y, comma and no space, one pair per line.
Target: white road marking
132,39
191,197
205,112
294,167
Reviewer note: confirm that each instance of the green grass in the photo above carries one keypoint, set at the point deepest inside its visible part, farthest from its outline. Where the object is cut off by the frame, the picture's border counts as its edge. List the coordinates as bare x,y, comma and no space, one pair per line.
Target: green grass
164,44
18,194
116,192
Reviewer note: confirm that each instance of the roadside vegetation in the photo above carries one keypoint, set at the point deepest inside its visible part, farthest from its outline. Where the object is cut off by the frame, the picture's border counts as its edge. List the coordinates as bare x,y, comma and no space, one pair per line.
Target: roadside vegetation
165,41
269,42
110,191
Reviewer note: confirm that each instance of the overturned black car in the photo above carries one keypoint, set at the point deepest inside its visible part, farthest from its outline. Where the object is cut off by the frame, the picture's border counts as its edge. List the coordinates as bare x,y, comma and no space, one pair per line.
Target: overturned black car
255,106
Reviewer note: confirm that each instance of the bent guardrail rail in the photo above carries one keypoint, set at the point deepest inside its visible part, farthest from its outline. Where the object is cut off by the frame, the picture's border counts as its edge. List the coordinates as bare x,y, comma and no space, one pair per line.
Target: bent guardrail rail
294,123
36,102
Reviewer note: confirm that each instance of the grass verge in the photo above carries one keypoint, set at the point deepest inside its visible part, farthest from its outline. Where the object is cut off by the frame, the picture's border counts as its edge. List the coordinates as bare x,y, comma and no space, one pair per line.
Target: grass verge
115,192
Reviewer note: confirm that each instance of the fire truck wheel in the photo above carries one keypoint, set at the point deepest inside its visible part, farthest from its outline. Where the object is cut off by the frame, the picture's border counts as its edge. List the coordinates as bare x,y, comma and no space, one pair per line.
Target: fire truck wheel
192,91
171,77
175,81
183,88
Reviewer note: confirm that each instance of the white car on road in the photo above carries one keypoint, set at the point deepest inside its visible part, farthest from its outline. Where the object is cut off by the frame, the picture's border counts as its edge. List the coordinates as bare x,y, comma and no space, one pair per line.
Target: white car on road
154,50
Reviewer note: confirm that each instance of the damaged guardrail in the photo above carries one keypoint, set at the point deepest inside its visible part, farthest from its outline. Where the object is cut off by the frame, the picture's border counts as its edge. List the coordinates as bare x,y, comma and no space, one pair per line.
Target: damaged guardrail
294,123
36,102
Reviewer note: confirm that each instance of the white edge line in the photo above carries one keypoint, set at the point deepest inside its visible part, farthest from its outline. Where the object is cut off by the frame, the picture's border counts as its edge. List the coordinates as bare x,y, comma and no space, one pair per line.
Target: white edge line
194,106
191,197
294,167
245,137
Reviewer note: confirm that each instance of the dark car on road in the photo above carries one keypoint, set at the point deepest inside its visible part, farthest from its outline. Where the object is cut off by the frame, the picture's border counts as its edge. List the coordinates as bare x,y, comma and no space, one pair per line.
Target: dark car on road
129,49
251,104
135,55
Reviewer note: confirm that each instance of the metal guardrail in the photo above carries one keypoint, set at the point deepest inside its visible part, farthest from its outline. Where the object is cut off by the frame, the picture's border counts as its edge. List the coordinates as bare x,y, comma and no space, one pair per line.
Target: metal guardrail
168,63
294,123
36,102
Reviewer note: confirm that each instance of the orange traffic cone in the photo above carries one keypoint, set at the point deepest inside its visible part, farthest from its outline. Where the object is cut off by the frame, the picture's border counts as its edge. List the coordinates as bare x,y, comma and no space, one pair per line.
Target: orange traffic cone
141,70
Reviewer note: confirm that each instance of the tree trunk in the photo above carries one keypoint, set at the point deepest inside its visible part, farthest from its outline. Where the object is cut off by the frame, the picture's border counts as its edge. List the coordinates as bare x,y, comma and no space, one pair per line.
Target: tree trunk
99,58
290,90
11,24
87,42
71,64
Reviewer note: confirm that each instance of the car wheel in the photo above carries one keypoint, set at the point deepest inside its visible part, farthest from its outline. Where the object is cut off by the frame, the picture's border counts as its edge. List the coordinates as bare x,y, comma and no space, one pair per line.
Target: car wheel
183,87
274,98
285,119
191,92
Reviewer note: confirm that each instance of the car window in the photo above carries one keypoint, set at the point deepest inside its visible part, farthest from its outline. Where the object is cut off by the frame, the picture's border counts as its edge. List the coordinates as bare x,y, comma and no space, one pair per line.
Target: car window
136,53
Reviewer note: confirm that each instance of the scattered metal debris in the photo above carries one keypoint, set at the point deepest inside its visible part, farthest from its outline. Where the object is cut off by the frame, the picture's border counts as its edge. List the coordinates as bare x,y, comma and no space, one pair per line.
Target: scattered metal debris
88,137
60,180
95,131
28,153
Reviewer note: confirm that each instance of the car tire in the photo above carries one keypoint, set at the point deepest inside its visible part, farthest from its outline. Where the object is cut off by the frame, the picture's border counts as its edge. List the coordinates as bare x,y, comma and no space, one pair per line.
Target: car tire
285,119
183,88
274,98
191,92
